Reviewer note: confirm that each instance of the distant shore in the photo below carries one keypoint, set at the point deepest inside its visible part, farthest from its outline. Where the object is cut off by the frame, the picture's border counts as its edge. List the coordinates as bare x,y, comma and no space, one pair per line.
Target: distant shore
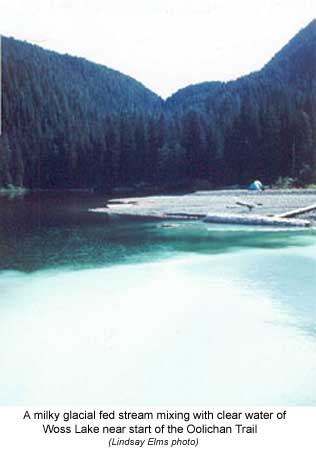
13,190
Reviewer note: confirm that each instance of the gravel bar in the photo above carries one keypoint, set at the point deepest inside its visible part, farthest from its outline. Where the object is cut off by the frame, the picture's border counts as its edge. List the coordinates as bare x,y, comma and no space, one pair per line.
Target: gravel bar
198,204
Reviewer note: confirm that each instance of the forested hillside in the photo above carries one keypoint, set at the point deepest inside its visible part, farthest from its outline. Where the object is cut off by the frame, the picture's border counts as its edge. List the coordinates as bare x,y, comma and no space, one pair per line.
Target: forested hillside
69,123
261,125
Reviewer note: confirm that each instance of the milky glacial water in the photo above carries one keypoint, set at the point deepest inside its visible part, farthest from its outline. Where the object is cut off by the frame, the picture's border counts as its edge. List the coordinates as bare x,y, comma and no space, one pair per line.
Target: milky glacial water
124,313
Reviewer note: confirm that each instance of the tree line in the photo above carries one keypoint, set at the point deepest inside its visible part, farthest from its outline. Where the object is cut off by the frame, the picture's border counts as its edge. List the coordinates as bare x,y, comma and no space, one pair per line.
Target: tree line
69,123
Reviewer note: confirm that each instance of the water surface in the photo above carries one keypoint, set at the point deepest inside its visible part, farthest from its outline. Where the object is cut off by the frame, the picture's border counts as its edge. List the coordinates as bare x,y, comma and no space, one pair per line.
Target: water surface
128,313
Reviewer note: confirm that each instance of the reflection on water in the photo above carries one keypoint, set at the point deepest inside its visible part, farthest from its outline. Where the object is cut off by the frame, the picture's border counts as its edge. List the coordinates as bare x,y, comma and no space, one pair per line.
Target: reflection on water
53,230
197,314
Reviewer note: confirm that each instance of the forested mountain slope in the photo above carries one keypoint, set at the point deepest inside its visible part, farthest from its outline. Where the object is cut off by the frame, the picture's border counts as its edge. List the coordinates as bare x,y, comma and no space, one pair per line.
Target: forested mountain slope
261,125
71,123
59,114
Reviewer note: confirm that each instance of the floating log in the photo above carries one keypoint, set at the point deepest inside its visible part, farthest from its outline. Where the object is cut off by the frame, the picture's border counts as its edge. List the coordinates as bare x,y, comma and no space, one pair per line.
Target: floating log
122,202
297,212
185,215
255,219
169,225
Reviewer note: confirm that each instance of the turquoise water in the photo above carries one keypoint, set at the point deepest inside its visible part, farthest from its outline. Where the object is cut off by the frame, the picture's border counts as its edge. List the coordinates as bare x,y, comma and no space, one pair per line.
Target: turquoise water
125,313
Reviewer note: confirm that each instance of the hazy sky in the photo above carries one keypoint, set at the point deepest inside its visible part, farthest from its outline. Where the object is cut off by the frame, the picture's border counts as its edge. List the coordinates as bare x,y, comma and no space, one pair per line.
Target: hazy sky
165,44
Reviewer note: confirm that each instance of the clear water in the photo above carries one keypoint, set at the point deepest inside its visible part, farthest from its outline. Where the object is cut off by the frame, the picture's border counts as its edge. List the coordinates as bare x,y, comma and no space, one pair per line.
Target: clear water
125,313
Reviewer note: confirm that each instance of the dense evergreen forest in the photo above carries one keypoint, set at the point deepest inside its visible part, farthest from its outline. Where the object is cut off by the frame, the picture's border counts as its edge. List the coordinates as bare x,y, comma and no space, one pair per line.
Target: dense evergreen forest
70,123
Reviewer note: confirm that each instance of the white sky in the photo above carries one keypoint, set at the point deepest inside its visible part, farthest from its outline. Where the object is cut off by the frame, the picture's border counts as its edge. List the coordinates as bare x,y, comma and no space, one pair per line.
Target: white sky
165,44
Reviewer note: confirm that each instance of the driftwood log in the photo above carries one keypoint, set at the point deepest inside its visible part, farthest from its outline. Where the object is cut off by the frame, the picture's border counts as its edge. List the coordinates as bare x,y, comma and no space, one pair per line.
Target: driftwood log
297,212
122,202
250,206
255,219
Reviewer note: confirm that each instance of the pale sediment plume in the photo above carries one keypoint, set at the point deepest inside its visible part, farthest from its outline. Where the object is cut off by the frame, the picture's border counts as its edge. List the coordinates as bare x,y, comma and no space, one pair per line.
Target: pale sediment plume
121,336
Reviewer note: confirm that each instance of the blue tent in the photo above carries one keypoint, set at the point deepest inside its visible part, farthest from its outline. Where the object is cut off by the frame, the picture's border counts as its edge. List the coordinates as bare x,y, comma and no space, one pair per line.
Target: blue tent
256,186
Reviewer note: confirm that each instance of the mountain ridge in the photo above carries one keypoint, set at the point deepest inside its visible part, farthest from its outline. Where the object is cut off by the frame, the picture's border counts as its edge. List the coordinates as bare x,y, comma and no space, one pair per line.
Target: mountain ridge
83,65
305,33
71,123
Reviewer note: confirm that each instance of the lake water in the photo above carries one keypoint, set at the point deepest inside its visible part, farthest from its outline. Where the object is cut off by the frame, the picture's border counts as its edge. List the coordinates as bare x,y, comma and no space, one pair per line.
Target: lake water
105,312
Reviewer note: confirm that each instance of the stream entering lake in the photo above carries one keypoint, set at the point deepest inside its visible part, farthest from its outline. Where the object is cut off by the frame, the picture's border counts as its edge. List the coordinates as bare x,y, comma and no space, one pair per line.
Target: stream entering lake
118,312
